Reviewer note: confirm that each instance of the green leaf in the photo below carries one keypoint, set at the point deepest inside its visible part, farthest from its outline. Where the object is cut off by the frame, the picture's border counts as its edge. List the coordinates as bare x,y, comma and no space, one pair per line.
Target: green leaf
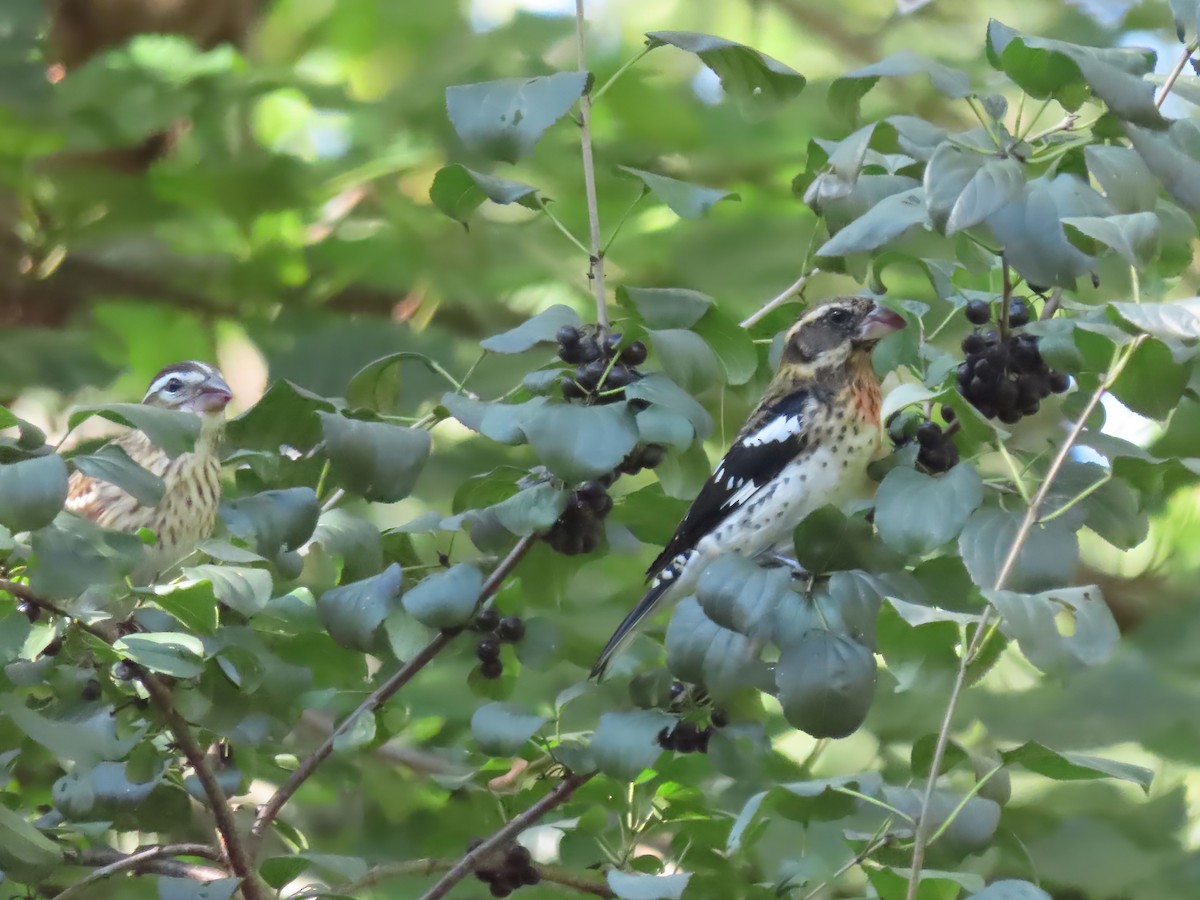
686,200
1075,766
740,595
32,492
888,219
74,554
170,888
658,390
531,510
458,191
750,77
581,442
626,743
505,119
826,683
1010,889
1047,557
353,539
502,729
1123,178
665,307
1176,320
1174,157
701,652
540,329
996,183
22,844
112,464
847,91
1069,72
499,421
686,358
173,431
445,599
1134,237
241,588
731,343
819,799
628,886
1153,380
1059,630
974,821
1030,231
192,602
353,612
377,384
172,653
285,414
828,541
375,460
917,513
271,521
83,744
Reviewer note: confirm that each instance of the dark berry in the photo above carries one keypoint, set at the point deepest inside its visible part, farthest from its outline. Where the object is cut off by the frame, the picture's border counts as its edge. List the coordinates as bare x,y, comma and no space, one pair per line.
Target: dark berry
666,738
1058,382
589,374
612,342
991,337
125,670
972,343
686,737
978,390
929,435
719,718
604,506
54,647
572,354
1009,415
571,390
511,629
500,889
487,649
1032,408
634,354
590,492
1006,393
619,377
531,876
1018,313
590,350
978,312
948,413
32,613
568,336
652,455
518,856
91,690
487,620
491,668
702,738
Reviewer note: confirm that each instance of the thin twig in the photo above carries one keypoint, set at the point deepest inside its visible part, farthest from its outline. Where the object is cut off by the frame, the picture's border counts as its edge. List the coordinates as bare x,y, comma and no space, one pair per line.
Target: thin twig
270,810
596,253
792,290
160,696
149,861
551,874
1175,73
1066,123
921,837
1053,302
559,795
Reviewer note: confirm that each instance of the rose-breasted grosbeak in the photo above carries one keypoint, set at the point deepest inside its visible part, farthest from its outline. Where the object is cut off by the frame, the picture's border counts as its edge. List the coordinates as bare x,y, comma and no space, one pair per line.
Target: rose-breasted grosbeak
806,444
187,512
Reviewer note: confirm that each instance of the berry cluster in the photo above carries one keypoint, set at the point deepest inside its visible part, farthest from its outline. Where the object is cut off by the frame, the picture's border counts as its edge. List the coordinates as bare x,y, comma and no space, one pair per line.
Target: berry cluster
937,451
603,370
688,737
495,631
1004,375
513,871
577,530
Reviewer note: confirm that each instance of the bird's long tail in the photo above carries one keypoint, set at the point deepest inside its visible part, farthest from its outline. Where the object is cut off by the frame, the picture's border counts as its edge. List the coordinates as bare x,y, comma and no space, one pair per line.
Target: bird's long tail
625,630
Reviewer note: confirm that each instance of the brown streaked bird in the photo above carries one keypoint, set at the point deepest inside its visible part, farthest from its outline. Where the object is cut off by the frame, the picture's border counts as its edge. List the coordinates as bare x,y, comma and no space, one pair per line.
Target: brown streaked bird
805,445
187,512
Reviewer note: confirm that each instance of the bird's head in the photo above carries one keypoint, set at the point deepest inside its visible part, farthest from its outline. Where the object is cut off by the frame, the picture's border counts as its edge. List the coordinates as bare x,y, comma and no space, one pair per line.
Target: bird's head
829,336
190,386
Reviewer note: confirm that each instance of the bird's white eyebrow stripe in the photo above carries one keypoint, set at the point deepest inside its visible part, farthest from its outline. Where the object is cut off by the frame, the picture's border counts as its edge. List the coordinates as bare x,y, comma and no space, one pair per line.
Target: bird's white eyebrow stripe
187,376
777,430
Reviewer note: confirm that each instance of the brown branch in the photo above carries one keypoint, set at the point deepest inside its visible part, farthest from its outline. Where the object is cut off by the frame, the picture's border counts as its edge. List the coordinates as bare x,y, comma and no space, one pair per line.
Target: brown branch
559,795
146,861
271,809
551,874
1173,77
160,696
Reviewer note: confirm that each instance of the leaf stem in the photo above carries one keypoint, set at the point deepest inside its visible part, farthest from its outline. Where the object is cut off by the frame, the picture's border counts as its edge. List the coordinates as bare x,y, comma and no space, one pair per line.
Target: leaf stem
620,222
560,226
558,795
1078,498
596,254
597,94
270,810
1121,359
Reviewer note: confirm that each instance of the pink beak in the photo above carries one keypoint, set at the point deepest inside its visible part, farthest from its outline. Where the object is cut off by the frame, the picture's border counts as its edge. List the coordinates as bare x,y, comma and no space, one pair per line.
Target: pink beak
879,323
213,399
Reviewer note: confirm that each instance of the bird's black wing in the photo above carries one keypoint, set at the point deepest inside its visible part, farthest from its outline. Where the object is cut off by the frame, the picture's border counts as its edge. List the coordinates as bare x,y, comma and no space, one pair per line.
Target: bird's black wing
771,439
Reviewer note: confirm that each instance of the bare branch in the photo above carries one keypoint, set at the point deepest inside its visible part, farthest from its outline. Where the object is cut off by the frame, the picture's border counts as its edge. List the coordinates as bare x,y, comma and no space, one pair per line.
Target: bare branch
551,874
271,809
792,290
1176,71
557,797
596,253
921,837
147,861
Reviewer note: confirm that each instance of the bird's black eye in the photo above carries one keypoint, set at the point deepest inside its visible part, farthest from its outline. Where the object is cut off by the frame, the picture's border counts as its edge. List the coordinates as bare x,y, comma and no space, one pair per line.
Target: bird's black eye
839,316
174,385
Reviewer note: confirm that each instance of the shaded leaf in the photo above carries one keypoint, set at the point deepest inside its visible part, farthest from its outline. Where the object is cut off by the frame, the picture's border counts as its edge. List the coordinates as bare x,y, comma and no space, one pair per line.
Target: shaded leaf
32,492
665,307
628,886
581,442
505,119
271,521
1178,319
377,384
458,191
916,513
686,358
1075,766
686,200
1172,156
847,90
1060,630
445,599
540,329
173,431
747,75
176,654
353,612
241,588
375,460
501,729
112,464
22,844
1047,557
889,218
625,743
1010,889
1134,237
826,683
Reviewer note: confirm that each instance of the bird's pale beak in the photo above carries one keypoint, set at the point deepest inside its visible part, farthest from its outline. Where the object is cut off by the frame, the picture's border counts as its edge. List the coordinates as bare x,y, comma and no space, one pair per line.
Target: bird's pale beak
213,397
879,323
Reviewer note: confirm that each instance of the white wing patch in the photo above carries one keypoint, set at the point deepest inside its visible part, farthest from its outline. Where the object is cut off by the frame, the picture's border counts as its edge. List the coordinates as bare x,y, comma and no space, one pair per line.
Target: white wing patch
776,431
741,495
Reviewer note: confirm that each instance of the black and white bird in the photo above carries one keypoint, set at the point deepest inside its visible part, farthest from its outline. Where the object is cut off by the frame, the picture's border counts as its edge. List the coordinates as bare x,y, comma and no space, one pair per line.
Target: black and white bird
187,512
805,445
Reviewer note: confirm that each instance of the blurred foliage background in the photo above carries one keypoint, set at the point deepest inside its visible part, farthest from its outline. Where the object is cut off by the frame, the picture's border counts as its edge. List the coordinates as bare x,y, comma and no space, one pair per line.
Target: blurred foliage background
267,206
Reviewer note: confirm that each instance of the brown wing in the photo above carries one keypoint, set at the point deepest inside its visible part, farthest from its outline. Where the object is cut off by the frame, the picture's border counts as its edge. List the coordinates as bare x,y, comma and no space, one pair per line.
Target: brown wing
105,503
